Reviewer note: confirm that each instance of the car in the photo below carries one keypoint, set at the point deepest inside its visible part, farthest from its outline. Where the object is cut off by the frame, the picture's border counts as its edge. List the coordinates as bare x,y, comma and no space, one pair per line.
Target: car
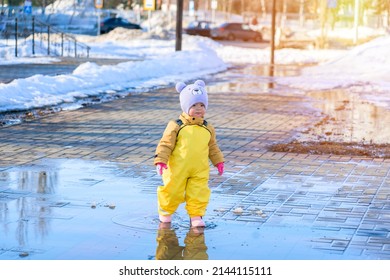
199,27
235,31
111,23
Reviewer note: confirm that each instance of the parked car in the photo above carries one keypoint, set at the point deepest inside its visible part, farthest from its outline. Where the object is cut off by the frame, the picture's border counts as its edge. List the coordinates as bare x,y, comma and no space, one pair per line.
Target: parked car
236,31
111,23
201,28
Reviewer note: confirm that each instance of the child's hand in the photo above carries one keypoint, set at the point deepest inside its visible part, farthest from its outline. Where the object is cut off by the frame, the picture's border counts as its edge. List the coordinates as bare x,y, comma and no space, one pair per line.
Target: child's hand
160,168
220,166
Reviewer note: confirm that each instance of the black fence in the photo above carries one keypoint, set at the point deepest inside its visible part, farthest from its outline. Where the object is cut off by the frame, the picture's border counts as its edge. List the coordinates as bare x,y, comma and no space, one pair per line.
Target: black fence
39,37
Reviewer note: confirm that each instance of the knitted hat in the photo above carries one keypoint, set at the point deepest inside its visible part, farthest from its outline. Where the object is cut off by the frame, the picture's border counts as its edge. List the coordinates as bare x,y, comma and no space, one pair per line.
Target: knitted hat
191,94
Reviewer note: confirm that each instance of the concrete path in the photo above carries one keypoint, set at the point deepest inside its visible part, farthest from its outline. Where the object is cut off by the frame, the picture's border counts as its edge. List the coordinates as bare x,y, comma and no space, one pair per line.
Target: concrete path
81,184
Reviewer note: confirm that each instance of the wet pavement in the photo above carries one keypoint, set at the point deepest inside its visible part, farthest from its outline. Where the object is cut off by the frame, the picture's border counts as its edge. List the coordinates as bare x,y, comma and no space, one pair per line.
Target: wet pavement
66,65
352,118
81,184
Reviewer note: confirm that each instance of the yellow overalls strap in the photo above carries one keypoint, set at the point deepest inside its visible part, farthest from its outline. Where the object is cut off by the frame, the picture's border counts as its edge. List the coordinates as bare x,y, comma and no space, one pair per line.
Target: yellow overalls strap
181,125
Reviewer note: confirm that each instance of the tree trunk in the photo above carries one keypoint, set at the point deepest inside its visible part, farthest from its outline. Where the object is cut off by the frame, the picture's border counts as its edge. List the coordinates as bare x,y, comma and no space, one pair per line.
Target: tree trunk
263,9
323,22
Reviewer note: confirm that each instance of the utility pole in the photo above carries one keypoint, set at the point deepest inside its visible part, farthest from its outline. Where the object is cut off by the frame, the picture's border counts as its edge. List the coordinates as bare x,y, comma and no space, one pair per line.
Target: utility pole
99,7
179,24
356,22
323,13
302,13
272,61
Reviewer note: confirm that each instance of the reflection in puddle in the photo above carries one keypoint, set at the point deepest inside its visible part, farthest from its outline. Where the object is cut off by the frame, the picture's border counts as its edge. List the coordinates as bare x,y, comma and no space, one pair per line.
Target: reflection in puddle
23,200
351,119
31,198
253,79
41,182
169,248
36,181
278,70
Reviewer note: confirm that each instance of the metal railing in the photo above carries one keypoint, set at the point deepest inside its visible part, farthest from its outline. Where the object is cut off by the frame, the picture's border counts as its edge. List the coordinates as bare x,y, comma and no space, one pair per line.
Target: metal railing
47,39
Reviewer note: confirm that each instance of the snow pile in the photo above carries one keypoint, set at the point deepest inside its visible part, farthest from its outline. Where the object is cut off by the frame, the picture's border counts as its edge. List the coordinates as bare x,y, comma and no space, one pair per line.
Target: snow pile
365,64
90,79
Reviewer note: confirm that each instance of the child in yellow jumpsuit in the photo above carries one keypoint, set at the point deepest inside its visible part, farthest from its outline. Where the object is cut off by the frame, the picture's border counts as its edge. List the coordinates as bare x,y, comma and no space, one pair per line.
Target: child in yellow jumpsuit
182,157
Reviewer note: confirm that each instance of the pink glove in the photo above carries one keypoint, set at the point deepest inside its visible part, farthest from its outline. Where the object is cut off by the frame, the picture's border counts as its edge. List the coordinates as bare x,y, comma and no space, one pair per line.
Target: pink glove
220,166
160,168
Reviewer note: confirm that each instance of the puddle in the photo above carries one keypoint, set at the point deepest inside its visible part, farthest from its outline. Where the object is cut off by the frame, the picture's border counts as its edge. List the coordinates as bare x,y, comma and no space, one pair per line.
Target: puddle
350,115
169,247
350,122
351,119
149,223
38,203
62,210
253,79
242,242
55,176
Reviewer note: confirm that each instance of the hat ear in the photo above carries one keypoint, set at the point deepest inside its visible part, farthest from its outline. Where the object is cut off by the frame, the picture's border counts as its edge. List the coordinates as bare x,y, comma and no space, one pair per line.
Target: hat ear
180,86
200,83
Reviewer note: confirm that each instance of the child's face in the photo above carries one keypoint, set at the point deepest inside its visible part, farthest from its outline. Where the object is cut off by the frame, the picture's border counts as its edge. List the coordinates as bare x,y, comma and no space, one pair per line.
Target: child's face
197,110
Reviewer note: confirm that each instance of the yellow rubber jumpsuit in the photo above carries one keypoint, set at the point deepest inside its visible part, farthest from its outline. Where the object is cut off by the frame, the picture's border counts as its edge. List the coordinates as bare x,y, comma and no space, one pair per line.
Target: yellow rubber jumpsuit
186,149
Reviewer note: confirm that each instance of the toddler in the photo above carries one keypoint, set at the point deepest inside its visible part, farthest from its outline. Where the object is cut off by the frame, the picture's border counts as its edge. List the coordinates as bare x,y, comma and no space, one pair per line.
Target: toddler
182,157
